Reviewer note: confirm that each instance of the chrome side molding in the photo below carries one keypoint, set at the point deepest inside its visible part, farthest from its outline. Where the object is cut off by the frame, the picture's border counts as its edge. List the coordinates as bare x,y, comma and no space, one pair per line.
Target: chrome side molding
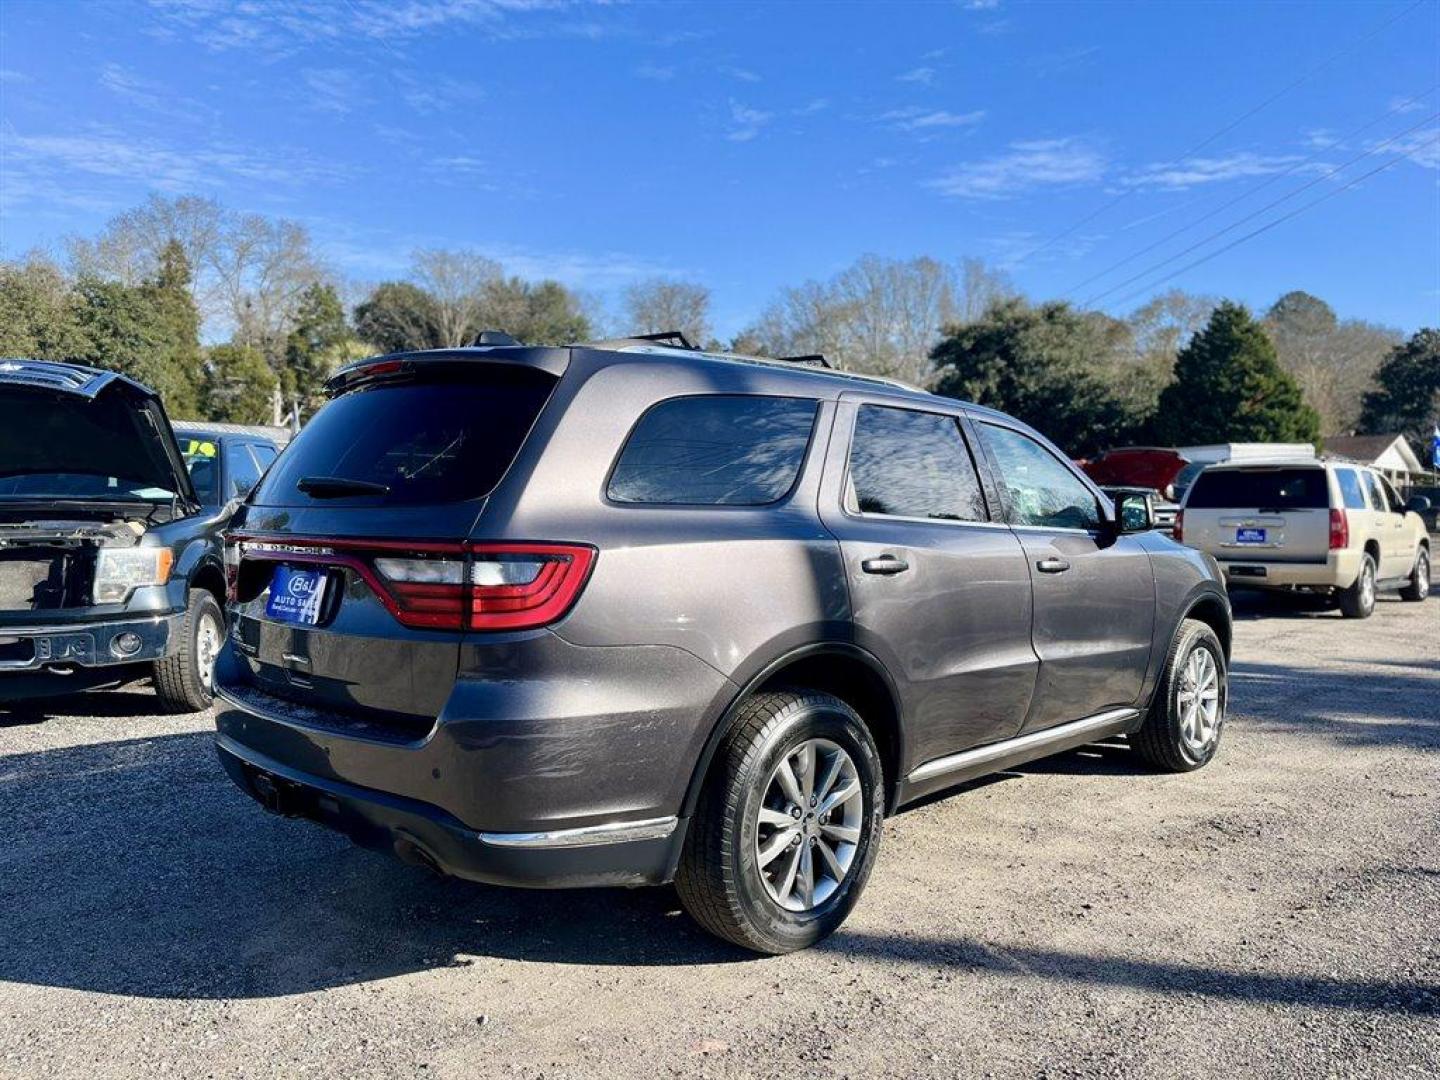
1023,747
612,832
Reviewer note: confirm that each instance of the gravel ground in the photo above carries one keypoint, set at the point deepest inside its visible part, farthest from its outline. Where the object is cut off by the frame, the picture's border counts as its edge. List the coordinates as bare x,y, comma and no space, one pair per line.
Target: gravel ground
1274,914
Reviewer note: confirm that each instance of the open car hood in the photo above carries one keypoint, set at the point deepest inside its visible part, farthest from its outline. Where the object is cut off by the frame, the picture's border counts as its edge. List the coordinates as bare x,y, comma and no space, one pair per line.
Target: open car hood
1136,466
72,420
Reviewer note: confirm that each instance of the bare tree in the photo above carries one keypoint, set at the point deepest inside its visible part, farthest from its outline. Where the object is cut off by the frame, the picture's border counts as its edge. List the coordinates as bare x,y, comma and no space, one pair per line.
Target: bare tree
661,304
262,268
1334,361
881,316
980,287
457,281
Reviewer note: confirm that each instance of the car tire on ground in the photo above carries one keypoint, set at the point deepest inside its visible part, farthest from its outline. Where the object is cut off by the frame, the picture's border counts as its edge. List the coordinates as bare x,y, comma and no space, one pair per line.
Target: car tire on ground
787,826
185,681
1182,729
1418,587
1358,601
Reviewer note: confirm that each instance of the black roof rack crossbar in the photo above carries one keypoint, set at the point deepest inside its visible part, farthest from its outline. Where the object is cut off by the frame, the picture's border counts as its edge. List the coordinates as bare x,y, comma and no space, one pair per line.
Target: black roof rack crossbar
668,337
809,359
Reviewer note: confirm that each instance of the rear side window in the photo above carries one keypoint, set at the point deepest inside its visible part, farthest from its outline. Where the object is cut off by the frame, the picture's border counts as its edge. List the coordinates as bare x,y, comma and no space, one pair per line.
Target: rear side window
1351,494
1260,489
435,441
714,450
241,472
911,464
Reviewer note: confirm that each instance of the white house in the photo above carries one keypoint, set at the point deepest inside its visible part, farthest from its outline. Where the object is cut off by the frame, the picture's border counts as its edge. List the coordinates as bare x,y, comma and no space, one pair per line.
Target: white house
1388,454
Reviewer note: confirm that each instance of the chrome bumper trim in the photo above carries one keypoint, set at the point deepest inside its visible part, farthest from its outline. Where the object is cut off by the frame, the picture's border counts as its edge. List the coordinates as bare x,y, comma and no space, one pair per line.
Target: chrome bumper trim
613,832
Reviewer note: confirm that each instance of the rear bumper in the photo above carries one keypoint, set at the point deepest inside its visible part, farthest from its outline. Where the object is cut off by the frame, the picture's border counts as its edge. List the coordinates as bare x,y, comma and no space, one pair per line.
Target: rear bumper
1338,571
643,852
54,659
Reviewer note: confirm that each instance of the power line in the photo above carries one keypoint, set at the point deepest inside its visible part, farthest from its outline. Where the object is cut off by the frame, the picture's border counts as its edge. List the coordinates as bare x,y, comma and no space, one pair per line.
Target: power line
1256,213
1276,178
1270,225
1231,126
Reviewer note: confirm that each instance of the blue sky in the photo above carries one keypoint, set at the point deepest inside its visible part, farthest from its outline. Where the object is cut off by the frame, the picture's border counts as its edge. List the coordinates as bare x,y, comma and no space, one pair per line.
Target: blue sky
750,146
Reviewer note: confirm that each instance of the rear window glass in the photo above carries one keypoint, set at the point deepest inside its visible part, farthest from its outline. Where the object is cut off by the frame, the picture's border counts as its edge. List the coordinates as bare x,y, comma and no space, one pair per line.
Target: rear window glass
1260,489
1350,490
715,450
422,442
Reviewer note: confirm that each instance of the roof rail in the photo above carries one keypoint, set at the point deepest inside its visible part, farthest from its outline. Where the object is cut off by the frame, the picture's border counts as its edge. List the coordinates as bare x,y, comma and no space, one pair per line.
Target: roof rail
494,337
809,360
667,337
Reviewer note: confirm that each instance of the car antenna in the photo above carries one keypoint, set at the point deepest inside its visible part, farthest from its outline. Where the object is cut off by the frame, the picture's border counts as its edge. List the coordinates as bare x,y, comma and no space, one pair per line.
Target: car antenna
668,337
494,337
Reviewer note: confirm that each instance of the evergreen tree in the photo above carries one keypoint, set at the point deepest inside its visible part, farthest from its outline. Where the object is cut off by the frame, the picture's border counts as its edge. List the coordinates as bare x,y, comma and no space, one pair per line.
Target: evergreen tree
177,325
1406,399
238,385
1043,365
1229,387
39,312
317,344
398,317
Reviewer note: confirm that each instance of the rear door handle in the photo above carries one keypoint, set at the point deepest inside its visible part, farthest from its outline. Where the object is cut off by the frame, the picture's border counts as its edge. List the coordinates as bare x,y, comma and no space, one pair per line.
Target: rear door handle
885,564
1051,564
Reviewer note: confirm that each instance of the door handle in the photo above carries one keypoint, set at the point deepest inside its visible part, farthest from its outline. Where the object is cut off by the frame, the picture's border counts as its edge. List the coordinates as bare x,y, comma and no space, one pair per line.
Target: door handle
885,564
1052,564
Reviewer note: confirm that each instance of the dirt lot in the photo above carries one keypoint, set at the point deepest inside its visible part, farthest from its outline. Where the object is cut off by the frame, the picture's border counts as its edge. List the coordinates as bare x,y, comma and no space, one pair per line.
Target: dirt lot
1276,913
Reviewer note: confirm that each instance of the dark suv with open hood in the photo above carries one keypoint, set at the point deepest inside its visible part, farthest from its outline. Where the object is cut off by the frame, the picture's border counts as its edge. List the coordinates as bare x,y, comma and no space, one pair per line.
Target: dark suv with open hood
111,566
630,612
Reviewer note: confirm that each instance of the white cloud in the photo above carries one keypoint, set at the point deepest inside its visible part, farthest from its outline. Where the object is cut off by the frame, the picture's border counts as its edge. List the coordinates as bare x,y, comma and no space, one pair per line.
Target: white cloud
101,164
1213,170
745,122
923,75
656,72
742,74
982,5
10,75
1421,147
1407,105
810,108
332,90
914,119
1022,167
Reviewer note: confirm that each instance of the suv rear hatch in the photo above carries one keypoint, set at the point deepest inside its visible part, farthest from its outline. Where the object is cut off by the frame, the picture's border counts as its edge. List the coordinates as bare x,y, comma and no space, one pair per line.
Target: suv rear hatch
1260,513
352,572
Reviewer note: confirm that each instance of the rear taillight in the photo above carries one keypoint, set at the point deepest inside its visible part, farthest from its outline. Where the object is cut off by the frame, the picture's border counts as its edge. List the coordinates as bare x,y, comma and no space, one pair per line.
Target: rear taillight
232,566
1178,530
433,586
1339,530
516,586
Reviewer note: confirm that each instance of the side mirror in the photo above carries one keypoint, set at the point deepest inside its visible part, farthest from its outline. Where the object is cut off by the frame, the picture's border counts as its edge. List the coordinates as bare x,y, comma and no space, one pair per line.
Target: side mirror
1132,511
1418,504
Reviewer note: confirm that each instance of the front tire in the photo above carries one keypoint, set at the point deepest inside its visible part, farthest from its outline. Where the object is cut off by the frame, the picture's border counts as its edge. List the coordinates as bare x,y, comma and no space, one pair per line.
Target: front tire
1418,587
787,826
1358,601
1181,732
185,681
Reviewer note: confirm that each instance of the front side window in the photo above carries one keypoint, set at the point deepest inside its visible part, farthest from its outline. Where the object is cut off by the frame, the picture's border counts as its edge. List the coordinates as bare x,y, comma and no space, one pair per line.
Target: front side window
1041,489
905,463
1392,496
1351,494
715,450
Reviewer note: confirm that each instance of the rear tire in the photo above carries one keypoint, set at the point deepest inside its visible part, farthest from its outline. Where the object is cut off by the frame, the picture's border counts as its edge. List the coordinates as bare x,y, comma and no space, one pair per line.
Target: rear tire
1182,730
185,681
1358,601
1418,587
749,833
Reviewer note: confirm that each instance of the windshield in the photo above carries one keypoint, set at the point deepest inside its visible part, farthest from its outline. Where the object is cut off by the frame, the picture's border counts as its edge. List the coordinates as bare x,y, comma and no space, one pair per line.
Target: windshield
62,446
411,443
1260,489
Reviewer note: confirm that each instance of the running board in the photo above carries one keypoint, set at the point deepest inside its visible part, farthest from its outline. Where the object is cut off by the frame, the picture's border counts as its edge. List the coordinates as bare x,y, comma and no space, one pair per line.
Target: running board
968,764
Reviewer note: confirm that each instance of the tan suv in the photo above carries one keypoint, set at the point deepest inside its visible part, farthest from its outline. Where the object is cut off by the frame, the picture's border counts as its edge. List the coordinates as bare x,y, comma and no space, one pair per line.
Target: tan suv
1318,526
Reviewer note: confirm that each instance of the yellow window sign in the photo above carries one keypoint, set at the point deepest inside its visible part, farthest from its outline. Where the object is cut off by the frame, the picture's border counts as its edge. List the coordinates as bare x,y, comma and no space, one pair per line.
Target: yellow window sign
199,448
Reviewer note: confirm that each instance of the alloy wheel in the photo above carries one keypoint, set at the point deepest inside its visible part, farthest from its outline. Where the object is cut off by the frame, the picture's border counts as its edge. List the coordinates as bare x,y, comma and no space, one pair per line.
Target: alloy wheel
1197,700
810,822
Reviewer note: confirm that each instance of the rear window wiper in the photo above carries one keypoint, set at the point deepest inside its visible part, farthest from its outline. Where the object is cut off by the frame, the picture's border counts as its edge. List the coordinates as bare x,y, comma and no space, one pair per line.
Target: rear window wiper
339,487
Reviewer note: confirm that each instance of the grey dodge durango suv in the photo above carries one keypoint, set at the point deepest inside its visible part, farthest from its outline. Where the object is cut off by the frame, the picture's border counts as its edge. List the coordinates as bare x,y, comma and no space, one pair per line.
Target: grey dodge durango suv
630,613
